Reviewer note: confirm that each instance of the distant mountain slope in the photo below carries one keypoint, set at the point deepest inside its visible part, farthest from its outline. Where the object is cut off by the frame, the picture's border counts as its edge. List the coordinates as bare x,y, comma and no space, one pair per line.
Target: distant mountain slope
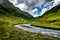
10,9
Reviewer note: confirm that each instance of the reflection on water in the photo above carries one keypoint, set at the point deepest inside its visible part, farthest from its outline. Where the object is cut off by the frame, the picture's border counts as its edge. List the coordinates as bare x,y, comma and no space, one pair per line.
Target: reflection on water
49,32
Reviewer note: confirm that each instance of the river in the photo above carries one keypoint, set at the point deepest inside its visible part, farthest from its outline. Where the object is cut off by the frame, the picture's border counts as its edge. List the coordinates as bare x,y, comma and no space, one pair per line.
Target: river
29,28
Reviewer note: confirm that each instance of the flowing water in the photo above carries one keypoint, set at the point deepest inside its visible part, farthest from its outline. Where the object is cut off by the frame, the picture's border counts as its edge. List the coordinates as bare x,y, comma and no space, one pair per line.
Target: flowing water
49,32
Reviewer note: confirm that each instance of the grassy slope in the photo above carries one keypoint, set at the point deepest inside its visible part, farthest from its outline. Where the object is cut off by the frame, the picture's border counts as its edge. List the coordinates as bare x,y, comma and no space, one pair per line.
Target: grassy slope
50,20
9,16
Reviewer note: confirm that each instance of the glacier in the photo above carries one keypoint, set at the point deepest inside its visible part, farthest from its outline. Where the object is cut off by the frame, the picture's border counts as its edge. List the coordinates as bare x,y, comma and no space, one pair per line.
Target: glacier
35,8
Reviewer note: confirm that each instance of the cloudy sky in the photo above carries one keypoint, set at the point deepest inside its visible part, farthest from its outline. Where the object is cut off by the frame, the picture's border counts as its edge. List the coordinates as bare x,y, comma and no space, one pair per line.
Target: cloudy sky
35,7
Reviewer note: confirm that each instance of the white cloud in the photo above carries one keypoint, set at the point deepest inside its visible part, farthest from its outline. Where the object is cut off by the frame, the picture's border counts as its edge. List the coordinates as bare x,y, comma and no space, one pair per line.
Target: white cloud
13,1
30,6
22,6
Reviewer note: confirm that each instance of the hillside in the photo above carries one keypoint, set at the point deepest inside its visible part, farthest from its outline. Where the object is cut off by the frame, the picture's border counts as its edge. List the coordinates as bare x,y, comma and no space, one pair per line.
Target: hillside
50,19
10,15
